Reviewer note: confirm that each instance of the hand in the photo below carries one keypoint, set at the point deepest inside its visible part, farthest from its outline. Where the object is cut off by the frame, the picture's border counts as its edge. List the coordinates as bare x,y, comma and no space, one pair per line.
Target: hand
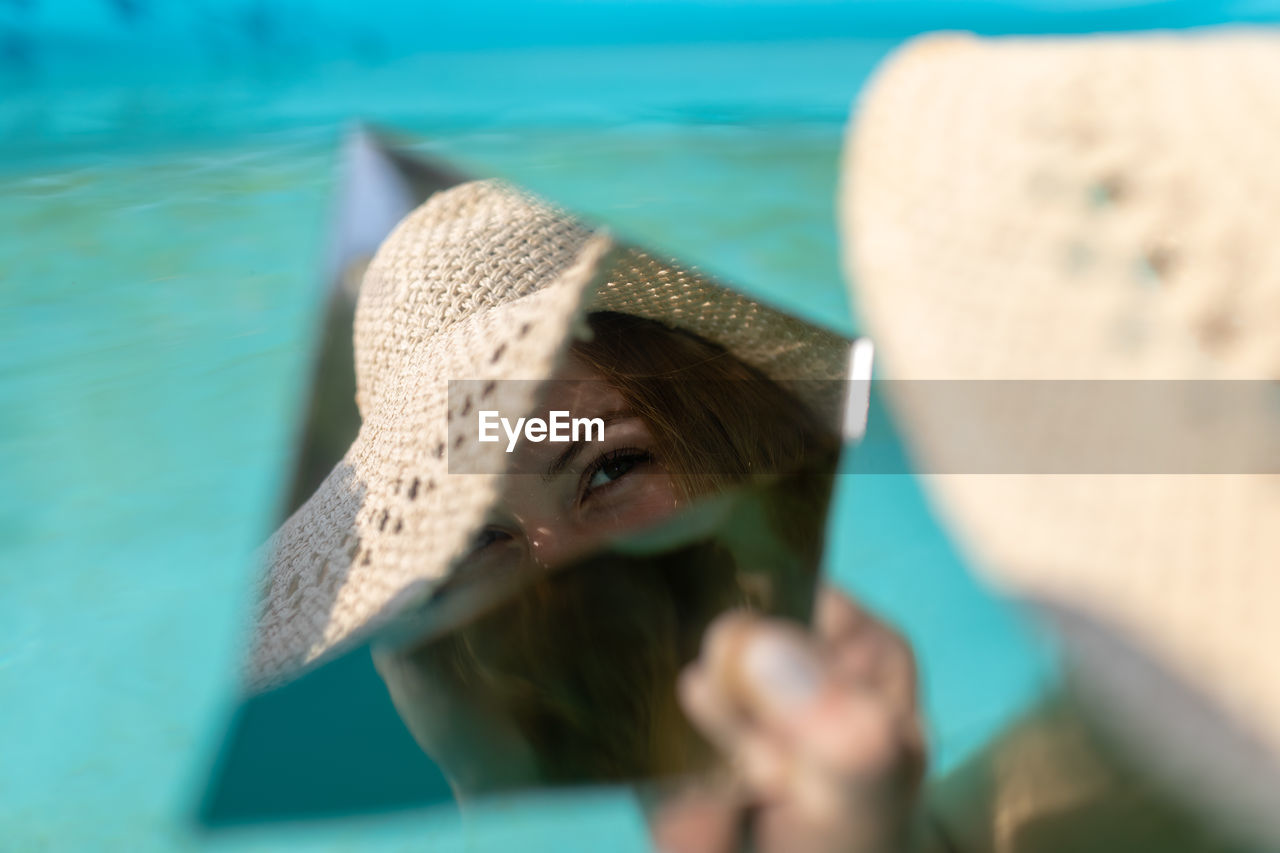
820,731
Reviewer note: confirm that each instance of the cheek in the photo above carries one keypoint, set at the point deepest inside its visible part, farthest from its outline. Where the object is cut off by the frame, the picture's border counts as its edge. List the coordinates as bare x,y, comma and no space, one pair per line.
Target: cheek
421,701
651,498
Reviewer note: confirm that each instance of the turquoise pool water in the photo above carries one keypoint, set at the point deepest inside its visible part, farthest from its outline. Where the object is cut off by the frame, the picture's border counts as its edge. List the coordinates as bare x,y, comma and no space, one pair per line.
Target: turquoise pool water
161,243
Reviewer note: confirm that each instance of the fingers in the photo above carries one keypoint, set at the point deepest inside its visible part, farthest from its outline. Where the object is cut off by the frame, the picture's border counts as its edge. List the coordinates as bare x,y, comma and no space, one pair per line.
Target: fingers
819,727
704,820
707,686
879,660
710,708
778,671
864,650
750,671
773,697
837,616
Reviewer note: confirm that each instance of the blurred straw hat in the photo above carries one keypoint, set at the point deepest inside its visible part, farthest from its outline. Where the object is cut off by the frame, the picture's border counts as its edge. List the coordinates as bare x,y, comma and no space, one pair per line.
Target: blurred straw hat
1098,208
481,283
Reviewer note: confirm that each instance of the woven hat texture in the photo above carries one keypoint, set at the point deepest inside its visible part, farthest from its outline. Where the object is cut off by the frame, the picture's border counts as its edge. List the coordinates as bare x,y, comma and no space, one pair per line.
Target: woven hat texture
1091,208
483,282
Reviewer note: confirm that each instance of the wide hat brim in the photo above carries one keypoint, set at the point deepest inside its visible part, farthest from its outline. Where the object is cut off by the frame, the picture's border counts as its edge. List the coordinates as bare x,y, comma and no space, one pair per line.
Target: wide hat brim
1092,209
483,284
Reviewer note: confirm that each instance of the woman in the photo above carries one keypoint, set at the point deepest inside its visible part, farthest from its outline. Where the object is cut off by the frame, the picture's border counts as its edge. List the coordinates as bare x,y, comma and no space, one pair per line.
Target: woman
578,679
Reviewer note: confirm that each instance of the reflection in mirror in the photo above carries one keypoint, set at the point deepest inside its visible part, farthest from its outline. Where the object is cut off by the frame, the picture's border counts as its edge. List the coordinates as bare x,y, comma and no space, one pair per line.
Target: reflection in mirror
551,656
531,599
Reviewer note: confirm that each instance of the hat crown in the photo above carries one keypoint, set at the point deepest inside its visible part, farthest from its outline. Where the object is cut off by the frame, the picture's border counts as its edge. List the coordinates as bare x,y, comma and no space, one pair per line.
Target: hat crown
466,250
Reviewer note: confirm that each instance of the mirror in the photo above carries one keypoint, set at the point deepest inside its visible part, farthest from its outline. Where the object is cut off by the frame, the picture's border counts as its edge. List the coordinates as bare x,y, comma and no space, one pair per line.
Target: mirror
689,485
659,479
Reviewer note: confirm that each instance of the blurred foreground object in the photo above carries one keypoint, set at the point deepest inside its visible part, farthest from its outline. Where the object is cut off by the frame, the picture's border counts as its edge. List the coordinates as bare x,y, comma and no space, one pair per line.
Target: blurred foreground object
378,187
1095,209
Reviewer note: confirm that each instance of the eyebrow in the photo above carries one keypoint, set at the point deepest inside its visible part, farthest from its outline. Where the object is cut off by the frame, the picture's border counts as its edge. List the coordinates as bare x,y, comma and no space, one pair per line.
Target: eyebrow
575,447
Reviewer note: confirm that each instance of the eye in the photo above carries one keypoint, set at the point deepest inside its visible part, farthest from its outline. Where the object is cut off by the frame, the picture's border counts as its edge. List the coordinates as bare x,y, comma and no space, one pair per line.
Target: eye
486,537
613,466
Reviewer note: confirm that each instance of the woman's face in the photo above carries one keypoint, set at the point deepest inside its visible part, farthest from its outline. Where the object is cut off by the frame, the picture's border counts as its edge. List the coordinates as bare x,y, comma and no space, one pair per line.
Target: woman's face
561,500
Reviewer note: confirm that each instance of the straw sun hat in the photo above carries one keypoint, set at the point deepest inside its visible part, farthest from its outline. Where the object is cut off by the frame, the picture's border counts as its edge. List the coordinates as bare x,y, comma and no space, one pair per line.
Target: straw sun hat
1100,208
481,283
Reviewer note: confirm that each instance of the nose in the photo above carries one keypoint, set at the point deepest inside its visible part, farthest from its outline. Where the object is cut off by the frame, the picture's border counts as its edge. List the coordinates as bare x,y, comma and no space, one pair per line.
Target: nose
551,544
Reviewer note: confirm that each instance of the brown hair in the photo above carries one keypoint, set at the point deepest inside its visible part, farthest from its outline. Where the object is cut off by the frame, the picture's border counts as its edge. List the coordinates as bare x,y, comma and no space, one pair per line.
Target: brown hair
585,661
717,421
